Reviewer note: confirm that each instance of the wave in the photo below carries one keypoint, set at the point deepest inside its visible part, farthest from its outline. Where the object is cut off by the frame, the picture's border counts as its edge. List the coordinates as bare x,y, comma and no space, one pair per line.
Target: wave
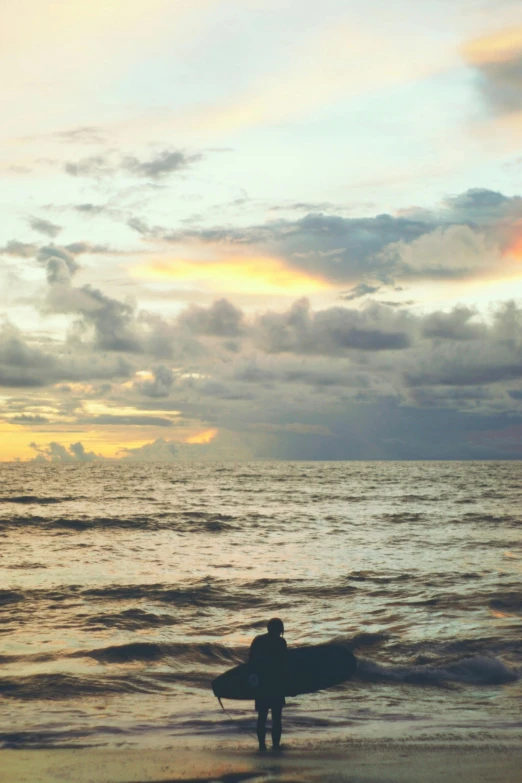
194,522
57,686
11,597
183,662
175,653
474,670
128,620
509,520
35,500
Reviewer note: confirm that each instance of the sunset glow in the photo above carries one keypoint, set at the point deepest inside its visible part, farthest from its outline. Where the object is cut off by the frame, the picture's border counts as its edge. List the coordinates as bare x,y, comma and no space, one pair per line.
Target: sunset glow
494,48
202,437
514,250
230,233
235,275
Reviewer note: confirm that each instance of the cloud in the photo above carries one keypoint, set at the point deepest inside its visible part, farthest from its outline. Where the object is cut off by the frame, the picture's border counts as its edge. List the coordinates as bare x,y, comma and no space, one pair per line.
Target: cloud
462,237
481,206
86,134
28,419
334,331
158,167
360,290
78,248
43,226
18,249
159,386
132,421
60,264
113,321
497,61
461,359
221,319
90,209
60,261
161,165
139,225
160,450
455,325
23,365
452,252
57,452
97,166
295,427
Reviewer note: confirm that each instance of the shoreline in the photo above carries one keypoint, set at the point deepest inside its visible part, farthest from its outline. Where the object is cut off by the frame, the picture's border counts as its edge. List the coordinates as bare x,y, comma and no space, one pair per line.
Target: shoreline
394,761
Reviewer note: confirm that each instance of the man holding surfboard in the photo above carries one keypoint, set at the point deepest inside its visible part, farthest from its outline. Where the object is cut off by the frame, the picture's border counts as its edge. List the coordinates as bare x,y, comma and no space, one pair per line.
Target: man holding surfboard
268,654
273,672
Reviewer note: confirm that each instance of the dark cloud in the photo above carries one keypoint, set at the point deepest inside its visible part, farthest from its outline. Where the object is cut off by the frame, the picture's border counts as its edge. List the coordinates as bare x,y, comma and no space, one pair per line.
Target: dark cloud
45,253
450,396
97,166
29,419
362,289
132,421
19,249
17,353
161,165
461,359
335,247
103,323
294,427
463,237
90,209
331,332
480,205
221,319
77,248
160,385
113,321
59,263
139,225
500,83
158,167
454,325
43,226
23,365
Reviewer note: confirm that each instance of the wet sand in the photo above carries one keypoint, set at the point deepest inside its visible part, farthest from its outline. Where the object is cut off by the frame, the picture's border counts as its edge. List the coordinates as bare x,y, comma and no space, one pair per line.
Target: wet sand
396,762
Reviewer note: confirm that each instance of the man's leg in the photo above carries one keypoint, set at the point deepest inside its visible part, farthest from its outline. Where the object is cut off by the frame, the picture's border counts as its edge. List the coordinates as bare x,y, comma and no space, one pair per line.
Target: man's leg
262,714
277,726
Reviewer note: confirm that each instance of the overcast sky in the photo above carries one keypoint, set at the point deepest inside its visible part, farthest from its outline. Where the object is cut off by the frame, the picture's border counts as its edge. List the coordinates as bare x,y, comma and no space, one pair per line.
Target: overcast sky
240,229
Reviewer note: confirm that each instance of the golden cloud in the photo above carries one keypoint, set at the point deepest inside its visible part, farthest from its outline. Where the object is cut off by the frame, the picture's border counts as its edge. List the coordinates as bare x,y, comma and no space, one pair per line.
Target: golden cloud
499,47
239,275
202,437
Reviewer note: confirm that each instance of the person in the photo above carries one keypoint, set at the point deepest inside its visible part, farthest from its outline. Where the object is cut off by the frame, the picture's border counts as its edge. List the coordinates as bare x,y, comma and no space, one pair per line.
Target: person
268,652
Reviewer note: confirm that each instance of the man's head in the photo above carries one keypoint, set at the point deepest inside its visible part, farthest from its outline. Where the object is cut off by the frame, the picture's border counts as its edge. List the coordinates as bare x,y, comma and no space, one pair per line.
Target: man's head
275,626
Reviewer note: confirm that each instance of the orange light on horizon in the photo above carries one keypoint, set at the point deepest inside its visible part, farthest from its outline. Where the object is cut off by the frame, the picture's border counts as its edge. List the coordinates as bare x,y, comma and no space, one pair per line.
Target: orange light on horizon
203,437
514,250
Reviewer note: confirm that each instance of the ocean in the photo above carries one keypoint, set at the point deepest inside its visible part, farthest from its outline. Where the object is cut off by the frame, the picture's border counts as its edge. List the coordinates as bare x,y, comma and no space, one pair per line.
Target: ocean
126,588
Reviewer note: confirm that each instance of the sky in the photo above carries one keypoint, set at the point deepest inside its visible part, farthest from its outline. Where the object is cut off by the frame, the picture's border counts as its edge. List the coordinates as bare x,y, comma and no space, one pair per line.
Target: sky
260,229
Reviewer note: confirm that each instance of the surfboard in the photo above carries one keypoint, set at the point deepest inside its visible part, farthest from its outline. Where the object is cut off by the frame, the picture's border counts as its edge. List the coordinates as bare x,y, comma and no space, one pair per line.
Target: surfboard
307,669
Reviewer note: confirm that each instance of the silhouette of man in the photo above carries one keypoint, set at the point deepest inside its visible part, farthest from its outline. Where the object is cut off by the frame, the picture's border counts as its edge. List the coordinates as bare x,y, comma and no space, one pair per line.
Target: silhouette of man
268,653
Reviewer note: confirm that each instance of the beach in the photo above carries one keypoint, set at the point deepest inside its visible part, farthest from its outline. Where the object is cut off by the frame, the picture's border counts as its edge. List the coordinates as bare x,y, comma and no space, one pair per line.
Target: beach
397,762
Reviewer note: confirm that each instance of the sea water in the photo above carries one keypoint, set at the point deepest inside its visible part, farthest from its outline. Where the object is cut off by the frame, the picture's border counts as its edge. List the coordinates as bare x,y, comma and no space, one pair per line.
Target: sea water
126,588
